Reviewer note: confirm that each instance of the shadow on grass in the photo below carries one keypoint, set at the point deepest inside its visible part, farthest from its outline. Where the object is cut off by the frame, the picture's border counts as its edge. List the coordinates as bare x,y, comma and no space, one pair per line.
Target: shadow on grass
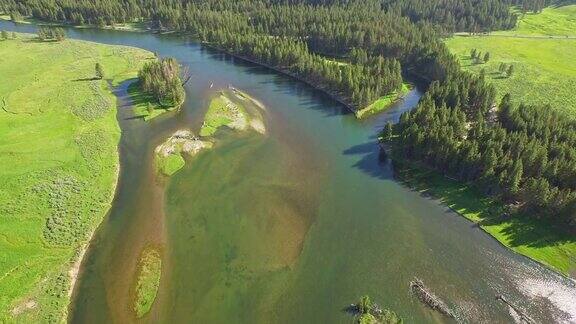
520,230
37,40
86,79
138,97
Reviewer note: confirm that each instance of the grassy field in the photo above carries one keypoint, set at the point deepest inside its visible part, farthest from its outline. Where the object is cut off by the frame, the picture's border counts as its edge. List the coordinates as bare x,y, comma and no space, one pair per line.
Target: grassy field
58,149
552,21
538,241
149,273
544,69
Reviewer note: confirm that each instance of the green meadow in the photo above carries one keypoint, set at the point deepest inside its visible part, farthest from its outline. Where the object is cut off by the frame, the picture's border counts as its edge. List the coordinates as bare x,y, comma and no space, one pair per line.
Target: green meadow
552,21
58,149
544,68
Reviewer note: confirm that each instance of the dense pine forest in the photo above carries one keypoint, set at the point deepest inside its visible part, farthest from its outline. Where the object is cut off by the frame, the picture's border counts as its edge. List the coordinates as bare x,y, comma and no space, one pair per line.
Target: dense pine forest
396,37
524,155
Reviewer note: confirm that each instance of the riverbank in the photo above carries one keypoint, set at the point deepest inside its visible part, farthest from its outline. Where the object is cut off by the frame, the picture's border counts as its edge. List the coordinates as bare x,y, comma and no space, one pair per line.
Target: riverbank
130,26
60,158
552,247
383,103
377,106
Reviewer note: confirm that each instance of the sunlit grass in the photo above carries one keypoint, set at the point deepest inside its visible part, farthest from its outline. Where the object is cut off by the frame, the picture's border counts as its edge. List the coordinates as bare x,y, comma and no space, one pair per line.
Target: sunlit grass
552,21
544,69
383,103
58,150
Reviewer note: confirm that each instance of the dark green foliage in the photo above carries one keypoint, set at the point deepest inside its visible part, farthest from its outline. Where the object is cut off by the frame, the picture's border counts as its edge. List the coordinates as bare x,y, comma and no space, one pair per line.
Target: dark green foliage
525,155
4,35
49,33
387,132
381,38
510,70
99,71
161,79
368,312
15,16
458,15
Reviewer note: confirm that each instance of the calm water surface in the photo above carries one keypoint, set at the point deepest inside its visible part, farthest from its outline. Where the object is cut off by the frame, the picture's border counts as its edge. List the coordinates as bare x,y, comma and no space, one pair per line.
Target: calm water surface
289,227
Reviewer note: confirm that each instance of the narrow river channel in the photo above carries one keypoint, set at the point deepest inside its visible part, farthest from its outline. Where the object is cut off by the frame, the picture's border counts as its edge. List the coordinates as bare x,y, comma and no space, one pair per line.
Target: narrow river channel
290,227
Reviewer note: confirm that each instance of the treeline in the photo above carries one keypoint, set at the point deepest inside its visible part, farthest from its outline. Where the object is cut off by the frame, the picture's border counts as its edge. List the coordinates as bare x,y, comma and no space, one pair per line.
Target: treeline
291,35
357,83
51,33
161,79
525,156
458,15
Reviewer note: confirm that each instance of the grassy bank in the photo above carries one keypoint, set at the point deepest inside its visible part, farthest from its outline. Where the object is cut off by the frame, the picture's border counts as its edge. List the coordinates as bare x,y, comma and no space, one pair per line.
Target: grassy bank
383,103
58,148
537,240
544,68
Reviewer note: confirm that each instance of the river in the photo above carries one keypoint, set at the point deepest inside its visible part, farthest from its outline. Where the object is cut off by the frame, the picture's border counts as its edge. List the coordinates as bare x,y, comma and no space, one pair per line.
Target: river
290,227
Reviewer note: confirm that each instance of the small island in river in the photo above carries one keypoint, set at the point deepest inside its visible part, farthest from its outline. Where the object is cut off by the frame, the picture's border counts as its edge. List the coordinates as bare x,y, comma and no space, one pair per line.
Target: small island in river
230,108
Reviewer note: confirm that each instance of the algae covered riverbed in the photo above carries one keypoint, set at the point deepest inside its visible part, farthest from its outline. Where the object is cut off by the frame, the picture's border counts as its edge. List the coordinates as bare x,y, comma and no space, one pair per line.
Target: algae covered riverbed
287,227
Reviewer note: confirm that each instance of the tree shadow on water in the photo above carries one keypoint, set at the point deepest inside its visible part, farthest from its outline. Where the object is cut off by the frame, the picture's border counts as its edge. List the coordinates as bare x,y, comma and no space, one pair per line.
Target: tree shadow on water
372,160
464,198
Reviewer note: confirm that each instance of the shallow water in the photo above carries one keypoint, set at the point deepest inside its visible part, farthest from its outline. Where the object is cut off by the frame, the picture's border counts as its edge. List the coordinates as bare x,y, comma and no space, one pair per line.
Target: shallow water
289,227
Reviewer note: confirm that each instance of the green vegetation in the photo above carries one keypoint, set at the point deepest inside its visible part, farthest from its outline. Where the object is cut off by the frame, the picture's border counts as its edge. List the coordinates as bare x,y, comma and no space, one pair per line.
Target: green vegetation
170,164
221,112
383,103
521,157
50,33
539,71
234,109
149,273
368,312
527,236
58,148
144,105
231,108
552,21
169,154
544,69
158,81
